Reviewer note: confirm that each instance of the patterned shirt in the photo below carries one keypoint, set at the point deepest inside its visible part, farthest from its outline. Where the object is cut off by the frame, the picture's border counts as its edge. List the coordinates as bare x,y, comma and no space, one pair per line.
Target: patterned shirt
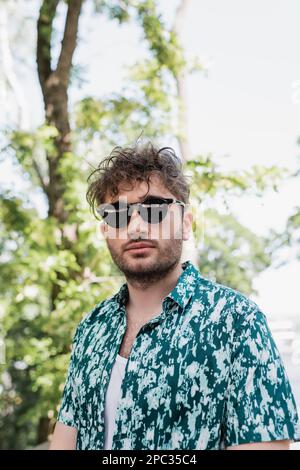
203,374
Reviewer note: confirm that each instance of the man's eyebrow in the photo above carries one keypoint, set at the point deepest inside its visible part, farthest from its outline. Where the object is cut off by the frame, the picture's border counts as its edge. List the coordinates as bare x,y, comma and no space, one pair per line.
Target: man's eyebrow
151,195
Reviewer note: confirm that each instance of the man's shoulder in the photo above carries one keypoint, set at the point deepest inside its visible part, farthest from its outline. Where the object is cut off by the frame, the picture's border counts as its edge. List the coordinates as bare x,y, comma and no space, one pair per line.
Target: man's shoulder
222,300
99,310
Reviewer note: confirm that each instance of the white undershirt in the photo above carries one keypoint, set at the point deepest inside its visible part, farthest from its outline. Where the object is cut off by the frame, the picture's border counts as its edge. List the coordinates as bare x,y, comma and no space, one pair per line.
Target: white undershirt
112,398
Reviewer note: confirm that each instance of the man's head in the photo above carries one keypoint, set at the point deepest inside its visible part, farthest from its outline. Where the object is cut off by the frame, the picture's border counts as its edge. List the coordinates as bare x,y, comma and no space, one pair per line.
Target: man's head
133,175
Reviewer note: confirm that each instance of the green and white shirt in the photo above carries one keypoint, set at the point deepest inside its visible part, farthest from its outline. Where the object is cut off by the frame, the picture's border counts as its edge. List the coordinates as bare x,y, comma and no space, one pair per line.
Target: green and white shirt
203,374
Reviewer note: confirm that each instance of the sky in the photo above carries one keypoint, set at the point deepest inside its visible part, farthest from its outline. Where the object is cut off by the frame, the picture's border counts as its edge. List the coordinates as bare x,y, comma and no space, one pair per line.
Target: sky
245,110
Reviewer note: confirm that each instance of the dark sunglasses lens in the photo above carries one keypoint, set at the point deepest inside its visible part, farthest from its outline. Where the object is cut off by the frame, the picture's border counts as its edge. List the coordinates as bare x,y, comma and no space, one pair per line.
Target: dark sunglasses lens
117,219
154,214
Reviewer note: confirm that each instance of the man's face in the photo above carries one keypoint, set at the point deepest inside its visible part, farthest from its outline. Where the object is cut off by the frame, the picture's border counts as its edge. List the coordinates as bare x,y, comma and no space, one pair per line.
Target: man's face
164,239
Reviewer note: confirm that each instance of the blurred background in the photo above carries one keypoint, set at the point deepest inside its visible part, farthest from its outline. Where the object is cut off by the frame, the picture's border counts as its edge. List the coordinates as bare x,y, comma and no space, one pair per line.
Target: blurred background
218,81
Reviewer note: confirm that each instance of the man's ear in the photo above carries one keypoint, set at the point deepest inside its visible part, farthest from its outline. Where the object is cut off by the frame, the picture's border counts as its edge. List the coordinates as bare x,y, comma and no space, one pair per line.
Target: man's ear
103,229
187,225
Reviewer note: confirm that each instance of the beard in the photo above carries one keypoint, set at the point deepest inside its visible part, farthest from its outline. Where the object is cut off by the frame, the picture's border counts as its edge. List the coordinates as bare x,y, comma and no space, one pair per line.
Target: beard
143,271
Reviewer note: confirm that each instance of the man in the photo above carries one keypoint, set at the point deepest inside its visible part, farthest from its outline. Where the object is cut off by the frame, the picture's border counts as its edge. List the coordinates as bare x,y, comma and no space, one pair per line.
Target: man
173,360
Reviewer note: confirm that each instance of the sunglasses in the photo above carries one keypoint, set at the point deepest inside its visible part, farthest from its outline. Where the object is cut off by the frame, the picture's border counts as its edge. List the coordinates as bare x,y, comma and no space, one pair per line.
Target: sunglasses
152,210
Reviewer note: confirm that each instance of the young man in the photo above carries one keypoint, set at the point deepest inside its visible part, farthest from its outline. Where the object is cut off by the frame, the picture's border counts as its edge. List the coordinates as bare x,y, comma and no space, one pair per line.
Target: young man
173,360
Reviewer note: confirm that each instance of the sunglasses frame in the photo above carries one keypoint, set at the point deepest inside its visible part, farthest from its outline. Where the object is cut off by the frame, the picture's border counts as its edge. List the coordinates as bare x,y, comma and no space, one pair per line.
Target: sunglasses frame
104,209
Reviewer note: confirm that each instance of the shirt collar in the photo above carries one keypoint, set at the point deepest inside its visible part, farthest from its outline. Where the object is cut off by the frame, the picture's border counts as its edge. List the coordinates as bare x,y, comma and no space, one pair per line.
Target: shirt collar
180,294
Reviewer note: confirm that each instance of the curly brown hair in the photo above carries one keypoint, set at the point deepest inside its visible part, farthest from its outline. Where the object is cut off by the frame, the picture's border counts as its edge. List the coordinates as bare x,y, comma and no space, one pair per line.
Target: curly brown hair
132,164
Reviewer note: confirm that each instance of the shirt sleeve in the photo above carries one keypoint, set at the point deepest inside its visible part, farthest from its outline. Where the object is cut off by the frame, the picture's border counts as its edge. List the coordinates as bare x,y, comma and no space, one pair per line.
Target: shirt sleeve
68,412
259,404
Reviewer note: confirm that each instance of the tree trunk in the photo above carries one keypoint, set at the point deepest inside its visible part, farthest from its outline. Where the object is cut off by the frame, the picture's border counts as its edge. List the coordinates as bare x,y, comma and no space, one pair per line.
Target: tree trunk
43,429
181,87
54,86
190,251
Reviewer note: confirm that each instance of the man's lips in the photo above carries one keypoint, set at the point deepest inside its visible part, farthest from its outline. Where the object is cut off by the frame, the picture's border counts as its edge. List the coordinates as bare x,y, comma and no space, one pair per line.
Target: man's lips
139,246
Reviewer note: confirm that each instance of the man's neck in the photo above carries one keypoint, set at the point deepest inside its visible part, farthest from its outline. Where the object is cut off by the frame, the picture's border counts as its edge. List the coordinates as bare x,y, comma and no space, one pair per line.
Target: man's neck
146,303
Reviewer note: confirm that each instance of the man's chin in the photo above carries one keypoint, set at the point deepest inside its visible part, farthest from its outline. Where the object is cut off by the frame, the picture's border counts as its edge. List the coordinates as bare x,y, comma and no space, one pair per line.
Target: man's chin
135,264
140,263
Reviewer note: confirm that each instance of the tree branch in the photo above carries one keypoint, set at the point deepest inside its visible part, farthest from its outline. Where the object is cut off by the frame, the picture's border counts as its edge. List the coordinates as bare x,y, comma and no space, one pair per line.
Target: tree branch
69,41
40,177
180,79
44,32
180,16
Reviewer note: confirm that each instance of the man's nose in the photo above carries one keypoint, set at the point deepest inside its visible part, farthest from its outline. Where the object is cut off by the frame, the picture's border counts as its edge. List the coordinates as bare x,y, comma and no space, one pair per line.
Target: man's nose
136,224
